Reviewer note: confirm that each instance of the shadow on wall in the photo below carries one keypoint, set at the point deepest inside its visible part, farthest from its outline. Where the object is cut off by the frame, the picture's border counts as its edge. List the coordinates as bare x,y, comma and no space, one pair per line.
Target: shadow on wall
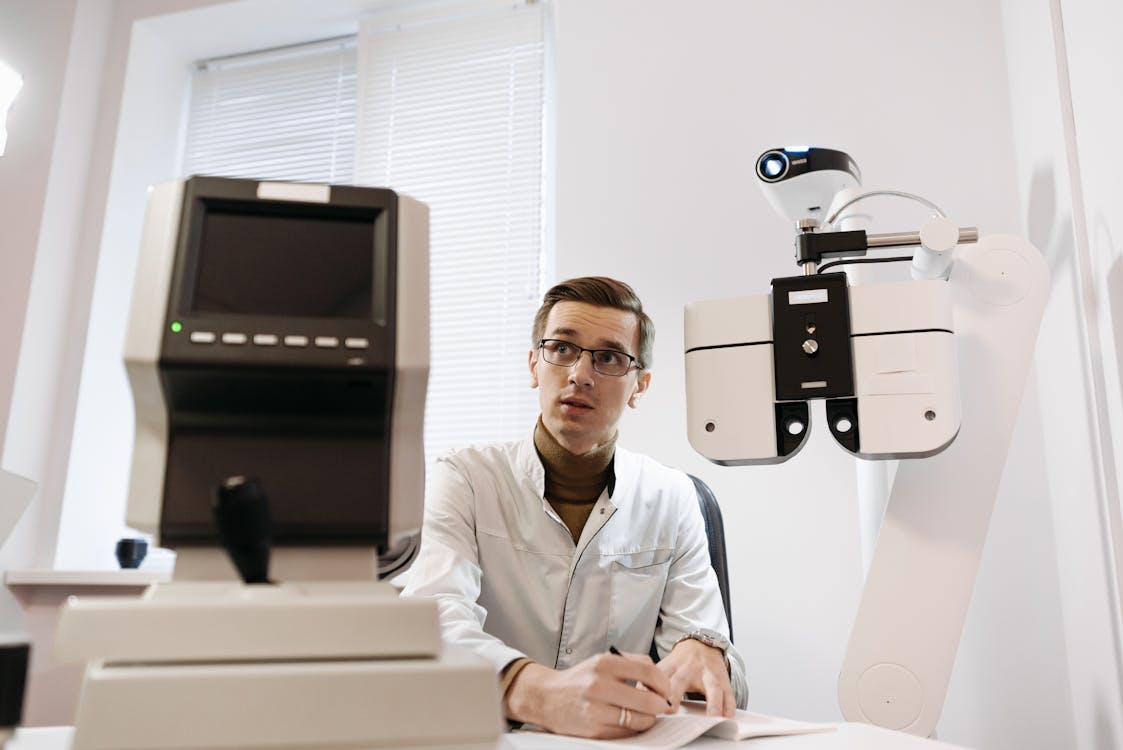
1103,245
1055,242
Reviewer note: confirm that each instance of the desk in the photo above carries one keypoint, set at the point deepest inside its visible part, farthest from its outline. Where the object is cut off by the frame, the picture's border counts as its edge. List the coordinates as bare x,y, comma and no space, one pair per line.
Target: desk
846,737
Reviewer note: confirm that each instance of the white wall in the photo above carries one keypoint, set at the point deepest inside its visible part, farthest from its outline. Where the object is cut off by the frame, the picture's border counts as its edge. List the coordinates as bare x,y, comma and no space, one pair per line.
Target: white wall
662,108
35,40
1063,65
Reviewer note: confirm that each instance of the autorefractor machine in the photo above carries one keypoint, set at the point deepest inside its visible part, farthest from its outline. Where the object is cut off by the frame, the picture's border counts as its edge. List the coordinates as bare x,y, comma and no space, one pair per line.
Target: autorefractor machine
932,367
277,353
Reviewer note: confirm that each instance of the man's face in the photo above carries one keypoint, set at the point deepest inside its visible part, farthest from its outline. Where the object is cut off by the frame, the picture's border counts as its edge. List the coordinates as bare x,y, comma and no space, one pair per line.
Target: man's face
580,406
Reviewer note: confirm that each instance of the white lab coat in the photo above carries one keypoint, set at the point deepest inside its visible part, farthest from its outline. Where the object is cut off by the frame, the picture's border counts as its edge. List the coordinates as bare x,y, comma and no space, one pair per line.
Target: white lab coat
510,582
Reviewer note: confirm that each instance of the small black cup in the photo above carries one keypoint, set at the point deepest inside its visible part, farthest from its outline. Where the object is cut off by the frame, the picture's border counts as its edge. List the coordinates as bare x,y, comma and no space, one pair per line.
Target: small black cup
131,552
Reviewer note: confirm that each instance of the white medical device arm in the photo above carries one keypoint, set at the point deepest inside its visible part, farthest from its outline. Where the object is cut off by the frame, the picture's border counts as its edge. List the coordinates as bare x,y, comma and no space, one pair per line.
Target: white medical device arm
931,371
907,629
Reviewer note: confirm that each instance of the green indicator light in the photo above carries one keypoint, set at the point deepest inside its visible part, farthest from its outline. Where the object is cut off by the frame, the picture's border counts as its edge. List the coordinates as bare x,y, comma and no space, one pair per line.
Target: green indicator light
176,326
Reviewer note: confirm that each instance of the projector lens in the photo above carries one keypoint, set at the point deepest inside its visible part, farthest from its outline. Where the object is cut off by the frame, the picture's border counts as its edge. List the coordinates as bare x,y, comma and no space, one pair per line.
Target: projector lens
772,166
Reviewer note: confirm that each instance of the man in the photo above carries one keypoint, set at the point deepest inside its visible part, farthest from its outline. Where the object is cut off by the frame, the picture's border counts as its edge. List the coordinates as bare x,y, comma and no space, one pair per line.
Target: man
552,555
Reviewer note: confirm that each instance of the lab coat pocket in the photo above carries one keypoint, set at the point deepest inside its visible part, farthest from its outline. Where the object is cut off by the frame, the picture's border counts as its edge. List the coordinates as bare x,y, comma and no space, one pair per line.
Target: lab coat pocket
638,580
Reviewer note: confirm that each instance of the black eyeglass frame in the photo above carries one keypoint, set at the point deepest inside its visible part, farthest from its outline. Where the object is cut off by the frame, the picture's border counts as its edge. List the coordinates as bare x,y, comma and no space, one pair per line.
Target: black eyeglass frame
633,363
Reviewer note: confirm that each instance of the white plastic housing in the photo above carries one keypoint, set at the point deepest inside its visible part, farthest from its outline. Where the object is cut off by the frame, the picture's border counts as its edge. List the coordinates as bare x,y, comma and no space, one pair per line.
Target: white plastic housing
450,702
142,352
906,632
808,195
907,382
199,621
730,389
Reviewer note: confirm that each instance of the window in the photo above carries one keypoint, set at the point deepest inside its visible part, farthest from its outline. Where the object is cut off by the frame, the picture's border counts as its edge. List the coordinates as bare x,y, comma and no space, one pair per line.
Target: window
284,114
444,105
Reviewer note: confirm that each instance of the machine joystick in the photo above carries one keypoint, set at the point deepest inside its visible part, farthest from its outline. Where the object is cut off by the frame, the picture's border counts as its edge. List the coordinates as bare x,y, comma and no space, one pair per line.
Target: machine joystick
241,513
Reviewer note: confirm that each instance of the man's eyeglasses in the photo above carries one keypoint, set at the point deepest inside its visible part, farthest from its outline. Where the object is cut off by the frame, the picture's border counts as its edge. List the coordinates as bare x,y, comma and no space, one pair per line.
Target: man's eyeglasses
605,361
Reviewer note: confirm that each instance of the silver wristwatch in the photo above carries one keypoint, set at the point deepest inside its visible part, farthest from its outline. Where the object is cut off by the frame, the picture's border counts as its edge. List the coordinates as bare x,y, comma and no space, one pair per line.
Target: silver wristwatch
710,638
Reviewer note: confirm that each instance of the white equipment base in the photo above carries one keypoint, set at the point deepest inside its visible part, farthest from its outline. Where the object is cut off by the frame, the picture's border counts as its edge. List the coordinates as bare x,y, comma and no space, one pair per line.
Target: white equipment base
392,703
310,665
192,622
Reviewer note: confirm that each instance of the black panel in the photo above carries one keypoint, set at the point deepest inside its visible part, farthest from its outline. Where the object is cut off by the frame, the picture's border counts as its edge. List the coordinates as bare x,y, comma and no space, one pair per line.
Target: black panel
842,417
316,440
322,490
793,424
811,337
814,246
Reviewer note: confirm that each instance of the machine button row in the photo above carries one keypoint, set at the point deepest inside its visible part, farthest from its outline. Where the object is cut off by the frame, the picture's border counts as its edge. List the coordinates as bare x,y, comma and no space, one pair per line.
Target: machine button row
233,338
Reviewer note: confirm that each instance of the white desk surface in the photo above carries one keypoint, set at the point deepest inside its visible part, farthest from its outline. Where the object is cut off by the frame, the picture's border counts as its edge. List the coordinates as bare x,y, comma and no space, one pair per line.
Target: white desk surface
846,737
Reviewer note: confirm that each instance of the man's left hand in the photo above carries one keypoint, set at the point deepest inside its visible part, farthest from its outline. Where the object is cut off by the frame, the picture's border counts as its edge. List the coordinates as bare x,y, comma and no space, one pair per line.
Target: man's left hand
694,667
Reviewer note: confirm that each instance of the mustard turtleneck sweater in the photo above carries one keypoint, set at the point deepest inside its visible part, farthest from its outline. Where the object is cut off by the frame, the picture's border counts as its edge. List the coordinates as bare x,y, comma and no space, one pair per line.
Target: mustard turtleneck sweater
573,483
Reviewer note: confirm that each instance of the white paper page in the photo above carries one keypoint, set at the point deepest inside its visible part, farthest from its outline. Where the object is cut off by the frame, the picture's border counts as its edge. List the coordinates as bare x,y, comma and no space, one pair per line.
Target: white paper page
669,732
691,722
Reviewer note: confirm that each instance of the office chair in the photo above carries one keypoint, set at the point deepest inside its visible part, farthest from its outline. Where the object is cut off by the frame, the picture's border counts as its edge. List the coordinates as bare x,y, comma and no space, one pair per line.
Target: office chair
715,534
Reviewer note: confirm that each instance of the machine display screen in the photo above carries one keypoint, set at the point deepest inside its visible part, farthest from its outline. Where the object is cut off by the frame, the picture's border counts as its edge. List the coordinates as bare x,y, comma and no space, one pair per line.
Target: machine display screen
306,266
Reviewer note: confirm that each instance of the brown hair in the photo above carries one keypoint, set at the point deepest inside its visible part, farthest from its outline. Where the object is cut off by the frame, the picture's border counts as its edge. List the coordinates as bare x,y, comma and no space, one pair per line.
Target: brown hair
603,292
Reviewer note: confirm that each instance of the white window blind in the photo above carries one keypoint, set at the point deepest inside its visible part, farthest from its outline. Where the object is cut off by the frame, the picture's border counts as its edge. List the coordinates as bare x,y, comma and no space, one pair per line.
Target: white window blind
284,114
451,112
441,102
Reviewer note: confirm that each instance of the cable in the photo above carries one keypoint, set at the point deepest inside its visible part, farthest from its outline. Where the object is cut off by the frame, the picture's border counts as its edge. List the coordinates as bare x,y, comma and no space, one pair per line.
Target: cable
847,261
892,193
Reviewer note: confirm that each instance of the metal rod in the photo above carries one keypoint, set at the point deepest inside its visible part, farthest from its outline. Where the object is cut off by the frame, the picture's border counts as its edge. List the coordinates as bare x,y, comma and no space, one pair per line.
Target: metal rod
902,239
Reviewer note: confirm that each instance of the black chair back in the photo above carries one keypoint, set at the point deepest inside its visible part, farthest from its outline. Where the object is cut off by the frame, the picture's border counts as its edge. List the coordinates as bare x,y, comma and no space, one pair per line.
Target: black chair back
715,534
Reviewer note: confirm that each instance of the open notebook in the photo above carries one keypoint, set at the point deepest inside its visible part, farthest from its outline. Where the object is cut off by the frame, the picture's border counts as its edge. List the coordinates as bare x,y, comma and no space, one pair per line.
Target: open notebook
691,722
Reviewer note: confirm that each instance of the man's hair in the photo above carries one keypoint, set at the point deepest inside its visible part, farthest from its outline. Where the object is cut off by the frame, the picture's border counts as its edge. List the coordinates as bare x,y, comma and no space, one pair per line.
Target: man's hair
603,292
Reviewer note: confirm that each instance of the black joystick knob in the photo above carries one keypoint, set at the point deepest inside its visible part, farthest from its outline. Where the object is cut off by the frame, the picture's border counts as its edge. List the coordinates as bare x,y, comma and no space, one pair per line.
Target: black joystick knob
241,512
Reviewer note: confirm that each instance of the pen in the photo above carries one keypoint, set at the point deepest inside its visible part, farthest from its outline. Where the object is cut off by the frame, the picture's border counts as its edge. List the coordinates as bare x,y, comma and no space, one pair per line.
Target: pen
613,650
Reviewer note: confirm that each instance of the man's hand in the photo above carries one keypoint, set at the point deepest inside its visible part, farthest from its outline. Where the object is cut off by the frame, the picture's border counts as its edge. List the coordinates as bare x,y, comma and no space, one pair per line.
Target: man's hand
692,666
605,696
